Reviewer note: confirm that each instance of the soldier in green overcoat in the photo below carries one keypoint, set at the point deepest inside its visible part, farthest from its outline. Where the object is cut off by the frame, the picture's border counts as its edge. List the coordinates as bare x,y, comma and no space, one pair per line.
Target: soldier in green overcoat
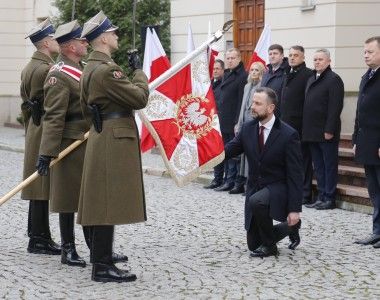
112,190
63,124
32,81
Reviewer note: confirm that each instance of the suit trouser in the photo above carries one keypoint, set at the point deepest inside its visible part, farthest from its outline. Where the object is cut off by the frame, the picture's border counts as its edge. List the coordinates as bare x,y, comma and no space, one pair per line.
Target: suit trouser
38,219
307,171
230,166
261,230
325,161
218,173
372,173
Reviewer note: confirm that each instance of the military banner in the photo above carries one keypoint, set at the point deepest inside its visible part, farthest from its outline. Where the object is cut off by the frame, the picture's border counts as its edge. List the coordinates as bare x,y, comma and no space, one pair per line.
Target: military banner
182,118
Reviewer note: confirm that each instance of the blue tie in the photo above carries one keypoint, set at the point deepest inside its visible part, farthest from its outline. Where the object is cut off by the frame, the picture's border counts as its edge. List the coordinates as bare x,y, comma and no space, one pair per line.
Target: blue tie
370,75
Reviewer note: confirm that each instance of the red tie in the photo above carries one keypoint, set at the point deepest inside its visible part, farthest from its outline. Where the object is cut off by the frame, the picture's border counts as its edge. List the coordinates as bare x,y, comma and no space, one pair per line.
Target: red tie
261,138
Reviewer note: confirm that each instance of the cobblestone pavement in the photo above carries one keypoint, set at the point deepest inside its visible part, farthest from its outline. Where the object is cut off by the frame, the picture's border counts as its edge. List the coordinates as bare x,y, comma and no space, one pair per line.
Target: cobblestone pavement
192,247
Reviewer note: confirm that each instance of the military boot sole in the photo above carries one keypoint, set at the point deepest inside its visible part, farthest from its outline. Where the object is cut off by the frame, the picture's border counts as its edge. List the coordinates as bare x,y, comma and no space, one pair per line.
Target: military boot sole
107,279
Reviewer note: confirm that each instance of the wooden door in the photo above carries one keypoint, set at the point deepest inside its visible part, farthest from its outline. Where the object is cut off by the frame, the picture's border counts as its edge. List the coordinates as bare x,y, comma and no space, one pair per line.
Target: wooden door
249,16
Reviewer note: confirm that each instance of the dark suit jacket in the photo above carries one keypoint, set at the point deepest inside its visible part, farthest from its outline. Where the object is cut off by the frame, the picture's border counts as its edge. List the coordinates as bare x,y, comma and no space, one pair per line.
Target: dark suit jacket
367,122
322,107
232,89
293,96
278,167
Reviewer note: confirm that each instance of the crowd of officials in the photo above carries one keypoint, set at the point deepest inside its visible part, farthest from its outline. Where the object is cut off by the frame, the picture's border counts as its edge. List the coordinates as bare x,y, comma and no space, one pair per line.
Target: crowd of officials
276,122
311,102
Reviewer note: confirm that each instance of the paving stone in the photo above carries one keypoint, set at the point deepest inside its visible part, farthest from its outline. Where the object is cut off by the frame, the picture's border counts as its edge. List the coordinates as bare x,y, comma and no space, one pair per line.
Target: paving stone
192,247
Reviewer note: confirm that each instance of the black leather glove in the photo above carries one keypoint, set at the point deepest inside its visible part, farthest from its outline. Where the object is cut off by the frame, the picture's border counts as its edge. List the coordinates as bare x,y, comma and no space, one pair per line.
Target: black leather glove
134,61
43,164
35,108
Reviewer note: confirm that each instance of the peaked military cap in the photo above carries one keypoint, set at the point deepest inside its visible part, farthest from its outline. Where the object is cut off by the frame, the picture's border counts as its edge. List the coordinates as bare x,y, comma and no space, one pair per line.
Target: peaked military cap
96,26
67,32
42,30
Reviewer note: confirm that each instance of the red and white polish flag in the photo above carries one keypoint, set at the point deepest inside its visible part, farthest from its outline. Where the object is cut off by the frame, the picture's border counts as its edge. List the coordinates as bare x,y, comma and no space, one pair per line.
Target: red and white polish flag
155,63
261,50
181,116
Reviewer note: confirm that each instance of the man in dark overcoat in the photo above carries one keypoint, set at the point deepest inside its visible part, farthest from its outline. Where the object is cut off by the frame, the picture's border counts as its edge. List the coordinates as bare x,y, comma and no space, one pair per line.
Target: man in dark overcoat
274,189
292,100
321,126
275,74
218,72
366,136
32,94
112,189
232,90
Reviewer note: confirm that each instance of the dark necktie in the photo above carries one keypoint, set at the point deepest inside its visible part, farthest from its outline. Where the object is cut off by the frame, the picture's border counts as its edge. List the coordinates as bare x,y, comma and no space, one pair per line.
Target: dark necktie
370,75
261,138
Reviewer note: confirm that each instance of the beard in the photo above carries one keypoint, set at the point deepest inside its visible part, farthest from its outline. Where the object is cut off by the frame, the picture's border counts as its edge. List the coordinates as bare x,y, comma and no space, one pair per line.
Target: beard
260,117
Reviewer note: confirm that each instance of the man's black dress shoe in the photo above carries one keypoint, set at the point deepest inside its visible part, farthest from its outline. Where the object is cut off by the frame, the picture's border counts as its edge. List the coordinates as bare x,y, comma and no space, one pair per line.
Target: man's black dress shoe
237,189
326,205
264,251
223,188
41,245
376,245
70,256
294,236
313,205
116,258
372,239
110,273
213,184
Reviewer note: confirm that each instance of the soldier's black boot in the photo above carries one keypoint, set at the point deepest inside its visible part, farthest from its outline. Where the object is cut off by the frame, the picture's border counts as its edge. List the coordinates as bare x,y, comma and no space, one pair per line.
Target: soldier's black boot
40,241
69,255
88,232
103,268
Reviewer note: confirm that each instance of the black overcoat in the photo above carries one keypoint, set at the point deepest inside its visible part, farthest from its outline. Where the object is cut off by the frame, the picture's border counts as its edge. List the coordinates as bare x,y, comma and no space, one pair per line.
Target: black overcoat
367,122
322,107
278,167
275,80
231,94
293,96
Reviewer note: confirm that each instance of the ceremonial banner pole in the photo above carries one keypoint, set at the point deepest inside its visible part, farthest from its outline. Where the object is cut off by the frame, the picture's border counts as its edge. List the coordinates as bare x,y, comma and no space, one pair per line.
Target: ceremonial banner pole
152,86
183,62
35,175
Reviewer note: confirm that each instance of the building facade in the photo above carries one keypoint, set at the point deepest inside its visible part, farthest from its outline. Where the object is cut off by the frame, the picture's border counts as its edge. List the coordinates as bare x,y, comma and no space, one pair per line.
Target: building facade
17,17
339,25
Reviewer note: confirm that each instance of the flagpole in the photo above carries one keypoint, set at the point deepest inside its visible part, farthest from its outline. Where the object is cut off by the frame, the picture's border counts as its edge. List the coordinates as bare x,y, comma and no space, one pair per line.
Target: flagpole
152,86
188,58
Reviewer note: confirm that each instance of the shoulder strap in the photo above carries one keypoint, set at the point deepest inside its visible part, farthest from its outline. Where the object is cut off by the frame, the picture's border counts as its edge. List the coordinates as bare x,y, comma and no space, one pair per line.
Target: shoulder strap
73,72
89,79
30,79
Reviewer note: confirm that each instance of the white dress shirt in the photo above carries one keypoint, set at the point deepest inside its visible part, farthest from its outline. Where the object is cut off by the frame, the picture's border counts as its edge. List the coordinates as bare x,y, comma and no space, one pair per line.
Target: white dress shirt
267,128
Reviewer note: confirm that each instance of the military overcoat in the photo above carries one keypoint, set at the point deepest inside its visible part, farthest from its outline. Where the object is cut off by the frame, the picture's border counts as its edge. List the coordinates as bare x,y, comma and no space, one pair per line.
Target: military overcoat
32,83
62,125
112,190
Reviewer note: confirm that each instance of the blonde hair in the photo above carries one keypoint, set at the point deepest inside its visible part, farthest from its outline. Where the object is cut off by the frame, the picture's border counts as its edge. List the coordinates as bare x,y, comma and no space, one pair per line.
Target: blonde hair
261,68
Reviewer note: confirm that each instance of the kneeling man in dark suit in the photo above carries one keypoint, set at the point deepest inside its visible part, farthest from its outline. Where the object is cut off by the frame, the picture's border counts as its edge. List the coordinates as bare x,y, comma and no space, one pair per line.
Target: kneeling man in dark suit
275,176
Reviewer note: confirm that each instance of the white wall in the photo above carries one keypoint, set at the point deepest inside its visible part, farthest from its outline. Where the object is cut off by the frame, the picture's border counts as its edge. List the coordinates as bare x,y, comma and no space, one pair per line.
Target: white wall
198,13
17,17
